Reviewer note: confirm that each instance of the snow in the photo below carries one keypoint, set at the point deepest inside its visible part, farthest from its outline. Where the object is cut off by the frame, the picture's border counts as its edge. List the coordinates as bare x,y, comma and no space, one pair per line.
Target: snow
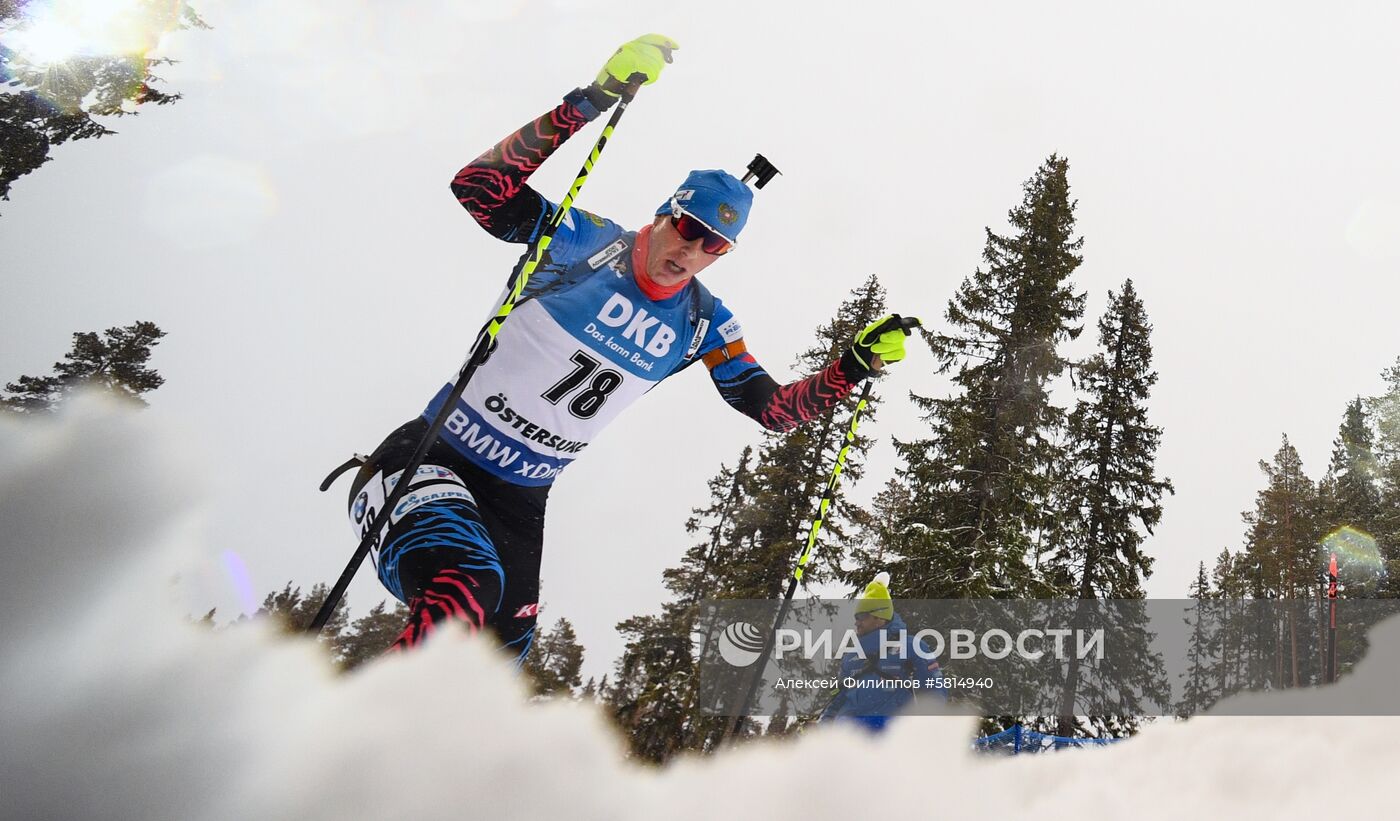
116,706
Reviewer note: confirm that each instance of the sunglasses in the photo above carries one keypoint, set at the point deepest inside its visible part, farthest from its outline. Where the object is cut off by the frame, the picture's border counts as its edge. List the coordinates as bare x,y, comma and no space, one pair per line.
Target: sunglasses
691,228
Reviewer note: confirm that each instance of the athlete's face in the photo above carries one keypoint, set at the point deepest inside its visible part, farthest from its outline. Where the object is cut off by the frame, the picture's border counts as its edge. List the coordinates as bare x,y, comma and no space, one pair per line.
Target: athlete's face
671,259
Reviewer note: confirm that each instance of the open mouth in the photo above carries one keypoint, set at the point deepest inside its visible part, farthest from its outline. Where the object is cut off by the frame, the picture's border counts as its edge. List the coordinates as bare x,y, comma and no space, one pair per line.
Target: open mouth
672,268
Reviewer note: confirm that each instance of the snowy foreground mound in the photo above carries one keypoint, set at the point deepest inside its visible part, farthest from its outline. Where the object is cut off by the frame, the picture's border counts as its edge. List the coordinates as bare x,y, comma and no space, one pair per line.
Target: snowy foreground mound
113,706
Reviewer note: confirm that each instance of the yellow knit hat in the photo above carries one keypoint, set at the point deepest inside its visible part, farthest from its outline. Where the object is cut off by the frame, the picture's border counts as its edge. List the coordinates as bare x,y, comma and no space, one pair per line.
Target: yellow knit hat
876,599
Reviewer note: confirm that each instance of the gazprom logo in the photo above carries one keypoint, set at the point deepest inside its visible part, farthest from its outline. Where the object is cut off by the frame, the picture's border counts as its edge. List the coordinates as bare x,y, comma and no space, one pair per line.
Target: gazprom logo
434,493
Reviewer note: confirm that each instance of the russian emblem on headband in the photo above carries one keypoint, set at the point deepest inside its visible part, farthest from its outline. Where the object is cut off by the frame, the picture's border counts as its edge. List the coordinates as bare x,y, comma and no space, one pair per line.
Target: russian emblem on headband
727,214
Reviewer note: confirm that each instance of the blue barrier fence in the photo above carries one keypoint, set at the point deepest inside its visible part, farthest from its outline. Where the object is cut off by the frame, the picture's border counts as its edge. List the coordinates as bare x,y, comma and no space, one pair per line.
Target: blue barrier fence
1016,740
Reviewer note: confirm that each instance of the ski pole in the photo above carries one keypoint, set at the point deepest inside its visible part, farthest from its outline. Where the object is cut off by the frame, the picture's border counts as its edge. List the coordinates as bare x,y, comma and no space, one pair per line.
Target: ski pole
828,495
480,348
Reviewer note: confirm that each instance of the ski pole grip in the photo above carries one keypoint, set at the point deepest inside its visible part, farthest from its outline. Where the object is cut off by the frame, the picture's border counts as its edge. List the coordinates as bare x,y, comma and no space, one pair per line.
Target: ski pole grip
634,84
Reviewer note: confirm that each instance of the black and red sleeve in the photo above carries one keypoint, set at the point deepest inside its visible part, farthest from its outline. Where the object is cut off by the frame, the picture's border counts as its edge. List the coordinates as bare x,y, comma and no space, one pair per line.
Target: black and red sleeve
746,386
493,187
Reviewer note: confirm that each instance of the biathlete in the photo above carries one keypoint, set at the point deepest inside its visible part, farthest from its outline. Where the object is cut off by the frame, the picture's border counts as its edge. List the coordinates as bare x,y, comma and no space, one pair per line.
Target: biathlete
607,315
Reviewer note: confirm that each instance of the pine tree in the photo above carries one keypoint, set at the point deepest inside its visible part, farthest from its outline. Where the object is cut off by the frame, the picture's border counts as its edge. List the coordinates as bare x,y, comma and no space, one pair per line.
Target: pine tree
654,688
555,659
983,481
47,105
114,363
1282,551
1283,529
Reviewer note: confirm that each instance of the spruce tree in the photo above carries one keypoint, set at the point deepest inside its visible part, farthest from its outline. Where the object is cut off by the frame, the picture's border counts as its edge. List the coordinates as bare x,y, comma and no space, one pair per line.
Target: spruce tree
885,537
1109,489
554,660
115,363
983,480
1350,500
1350,492
1226,579
1203,656
370,635
1111,458
698,575
654,683
1384,412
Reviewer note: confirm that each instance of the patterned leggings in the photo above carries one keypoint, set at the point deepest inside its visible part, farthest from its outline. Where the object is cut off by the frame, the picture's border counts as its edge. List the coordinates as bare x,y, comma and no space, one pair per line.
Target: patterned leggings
460,545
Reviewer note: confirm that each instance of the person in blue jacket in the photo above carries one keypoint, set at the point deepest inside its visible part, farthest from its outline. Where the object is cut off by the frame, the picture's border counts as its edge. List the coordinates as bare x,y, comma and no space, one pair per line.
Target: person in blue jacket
874,688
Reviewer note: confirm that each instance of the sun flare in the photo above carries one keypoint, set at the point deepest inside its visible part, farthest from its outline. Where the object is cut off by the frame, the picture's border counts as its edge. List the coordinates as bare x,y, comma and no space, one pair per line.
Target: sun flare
54,31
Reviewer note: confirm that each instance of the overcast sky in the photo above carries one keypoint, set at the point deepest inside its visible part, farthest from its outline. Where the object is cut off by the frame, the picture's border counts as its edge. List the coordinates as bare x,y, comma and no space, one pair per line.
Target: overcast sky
289,225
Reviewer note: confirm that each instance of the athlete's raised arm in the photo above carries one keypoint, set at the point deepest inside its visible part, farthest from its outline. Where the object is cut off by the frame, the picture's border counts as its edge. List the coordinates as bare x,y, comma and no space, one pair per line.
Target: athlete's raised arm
493,187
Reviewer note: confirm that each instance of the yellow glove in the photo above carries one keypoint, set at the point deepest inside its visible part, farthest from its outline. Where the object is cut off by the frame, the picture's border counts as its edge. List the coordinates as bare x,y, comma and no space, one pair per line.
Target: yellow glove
646,56
884,338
